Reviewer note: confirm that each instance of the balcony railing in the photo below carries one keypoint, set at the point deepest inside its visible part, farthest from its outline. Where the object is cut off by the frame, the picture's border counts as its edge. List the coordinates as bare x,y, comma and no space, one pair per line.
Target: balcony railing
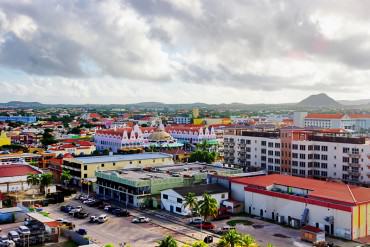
357,165
354,155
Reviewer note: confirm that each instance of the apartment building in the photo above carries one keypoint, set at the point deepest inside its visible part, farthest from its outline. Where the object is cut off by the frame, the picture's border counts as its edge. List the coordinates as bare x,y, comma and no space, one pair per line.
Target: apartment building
301,152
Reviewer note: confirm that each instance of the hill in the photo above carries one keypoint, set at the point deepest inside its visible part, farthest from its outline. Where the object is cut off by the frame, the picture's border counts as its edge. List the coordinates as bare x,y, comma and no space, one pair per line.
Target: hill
318,100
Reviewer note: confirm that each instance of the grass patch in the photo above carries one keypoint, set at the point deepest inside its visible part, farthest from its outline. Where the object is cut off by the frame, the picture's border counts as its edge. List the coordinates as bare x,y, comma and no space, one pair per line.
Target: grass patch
243,222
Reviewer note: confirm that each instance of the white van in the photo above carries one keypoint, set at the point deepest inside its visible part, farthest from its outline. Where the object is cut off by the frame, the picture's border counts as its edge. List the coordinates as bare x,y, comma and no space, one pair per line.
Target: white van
102,218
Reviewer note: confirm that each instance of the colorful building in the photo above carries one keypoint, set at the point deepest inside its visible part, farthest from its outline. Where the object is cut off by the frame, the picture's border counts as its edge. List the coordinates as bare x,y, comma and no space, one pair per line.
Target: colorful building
4,139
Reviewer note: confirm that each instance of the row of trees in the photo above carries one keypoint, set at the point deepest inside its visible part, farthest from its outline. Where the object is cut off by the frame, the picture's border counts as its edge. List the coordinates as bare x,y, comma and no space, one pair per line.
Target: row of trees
230,239
43,180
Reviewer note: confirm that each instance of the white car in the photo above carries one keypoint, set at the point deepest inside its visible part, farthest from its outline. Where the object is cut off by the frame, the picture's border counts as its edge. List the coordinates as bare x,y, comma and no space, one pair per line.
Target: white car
140,219
6,241
196,221
13,235
102,218
23,230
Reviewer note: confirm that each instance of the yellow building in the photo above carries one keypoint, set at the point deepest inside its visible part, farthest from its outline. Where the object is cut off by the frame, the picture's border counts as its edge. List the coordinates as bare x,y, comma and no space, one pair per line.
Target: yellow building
195,112
85,167
198,121
4,139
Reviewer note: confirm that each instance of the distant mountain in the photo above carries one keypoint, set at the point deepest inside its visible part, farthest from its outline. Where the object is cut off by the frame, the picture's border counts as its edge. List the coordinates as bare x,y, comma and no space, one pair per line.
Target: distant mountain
21,104
318,100
355,102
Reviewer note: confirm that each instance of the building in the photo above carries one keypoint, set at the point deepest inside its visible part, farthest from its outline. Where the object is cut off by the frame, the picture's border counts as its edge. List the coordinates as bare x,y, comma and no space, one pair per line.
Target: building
181,120
302,152
74,147
195,112
191,134
33,159
173,200
22,119
136,187
13,177
85,167
4,139
338,209
352,122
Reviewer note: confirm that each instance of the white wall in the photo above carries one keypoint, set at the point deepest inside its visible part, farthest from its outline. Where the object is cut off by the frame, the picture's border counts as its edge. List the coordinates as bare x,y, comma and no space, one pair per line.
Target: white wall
294,209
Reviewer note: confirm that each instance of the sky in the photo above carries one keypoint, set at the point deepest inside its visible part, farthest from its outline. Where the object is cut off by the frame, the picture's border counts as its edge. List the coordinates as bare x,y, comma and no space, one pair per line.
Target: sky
183,51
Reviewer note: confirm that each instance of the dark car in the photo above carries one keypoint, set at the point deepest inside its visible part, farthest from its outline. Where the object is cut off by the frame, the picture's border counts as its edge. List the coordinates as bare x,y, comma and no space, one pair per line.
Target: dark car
81,215
121,212
81,231
67,208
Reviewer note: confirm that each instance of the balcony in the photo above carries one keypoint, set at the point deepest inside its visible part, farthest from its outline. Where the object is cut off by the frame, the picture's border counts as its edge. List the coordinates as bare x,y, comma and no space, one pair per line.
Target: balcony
356,165
354,173
354,155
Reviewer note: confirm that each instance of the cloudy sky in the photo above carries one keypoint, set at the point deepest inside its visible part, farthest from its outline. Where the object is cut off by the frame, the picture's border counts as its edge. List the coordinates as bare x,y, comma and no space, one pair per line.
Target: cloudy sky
175,51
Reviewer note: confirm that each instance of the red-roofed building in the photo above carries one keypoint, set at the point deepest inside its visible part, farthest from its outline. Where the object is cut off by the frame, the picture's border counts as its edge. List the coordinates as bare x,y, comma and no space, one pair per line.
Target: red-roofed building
338,120
74,147
13,177
339,209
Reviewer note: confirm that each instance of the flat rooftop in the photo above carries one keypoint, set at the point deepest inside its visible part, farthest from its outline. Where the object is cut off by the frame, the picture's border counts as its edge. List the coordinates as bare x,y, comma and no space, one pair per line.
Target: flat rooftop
167,171
121,157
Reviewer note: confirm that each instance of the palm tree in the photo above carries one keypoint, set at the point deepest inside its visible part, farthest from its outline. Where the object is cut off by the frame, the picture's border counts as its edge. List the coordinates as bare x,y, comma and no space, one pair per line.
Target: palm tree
191,202
208,206
204,146
66,177
230,239
33,179
248,241
45,180
168,241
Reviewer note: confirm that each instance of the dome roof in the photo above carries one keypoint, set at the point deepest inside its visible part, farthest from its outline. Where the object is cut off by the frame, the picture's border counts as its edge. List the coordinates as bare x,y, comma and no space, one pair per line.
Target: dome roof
159,135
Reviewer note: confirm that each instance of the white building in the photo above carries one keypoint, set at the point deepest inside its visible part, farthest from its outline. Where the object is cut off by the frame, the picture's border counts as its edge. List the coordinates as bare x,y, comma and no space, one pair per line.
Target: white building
13,178
338,120
300,152
338,209
173,200
181,120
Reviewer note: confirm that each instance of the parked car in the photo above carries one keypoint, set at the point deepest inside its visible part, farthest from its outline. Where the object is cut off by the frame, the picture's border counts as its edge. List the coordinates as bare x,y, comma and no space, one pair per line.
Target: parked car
6,242
196,221
75,210
102,218
81,215
121,212
66,208
82,231
23,231
67,224
224,229
206,226
140,219
13,235
93,219
107,208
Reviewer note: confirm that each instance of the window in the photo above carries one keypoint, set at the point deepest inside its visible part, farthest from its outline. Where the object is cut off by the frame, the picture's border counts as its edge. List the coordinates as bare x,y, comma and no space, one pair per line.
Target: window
316,164
324,157
270,152
102,165
345,176
295,171
277,161
178,209
263,143
302,172
271,144
324,148
139,161
277,153
324,165
310,156
165,196
309,164
294,163
317,147
179,200
316,156
294,155
345,150
85,167
302,164
345,168
345,159
277,145
355,151
263,158
114,164
295,147
310,147
263,151
270,168
302,147
85,175
302,156
355,160
223,195
270,160
324,173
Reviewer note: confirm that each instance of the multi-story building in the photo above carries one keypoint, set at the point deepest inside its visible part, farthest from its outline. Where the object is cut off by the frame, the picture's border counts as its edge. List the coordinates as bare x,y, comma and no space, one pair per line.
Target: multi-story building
353,122
85,167
301,152
134,186
22,119
74,147
192,134
181,120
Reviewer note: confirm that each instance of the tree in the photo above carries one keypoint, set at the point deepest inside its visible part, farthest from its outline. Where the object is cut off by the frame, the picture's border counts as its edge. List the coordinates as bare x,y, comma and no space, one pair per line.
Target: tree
203,146
208,206
191,202
198,243
248,241
230,239
203,156
66,177
47,138
45,180
33,179
168,241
